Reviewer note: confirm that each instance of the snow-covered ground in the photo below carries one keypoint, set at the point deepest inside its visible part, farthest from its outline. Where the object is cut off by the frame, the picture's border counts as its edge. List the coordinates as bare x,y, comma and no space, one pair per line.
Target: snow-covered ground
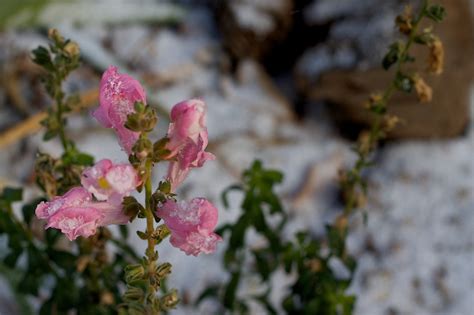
416,254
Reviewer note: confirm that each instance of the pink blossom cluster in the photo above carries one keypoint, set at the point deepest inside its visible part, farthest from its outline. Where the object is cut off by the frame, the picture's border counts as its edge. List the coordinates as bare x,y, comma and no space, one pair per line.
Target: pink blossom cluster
77,213
191,224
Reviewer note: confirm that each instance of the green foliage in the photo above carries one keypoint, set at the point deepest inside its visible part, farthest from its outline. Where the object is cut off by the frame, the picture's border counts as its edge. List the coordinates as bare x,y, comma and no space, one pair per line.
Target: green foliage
318,287
82,277
436,12
316,290
392,56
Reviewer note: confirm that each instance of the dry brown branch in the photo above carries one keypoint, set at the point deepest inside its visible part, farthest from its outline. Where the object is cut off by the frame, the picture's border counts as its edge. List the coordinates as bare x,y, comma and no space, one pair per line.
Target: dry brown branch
32,124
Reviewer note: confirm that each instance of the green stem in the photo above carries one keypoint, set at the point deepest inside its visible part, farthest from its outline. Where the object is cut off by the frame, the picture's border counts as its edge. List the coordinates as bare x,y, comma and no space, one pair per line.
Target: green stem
148,211
376,133
59,115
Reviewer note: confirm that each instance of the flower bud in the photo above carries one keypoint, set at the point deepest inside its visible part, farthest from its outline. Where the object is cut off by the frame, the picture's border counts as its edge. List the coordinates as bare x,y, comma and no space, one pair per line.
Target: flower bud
163,270
134,272
72,49
169,301
134,294
55,36
142,148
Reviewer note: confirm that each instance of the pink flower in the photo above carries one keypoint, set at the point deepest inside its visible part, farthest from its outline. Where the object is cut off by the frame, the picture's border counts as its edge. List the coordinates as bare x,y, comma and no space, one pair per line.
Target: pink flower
187,135
76,214
118,94
108,181
191,225
75,197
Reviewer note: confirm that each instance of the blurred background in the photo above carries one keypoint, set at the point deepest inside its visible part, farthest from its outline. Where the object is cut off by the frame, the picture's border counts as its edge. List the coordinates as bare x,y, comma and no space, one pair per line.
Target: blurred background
285,82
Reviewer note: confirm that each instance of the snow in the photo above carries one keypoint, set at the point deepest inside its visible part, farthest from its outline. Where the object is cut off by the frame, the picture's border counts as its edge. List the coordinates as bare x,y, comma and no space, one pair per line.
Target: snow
420,219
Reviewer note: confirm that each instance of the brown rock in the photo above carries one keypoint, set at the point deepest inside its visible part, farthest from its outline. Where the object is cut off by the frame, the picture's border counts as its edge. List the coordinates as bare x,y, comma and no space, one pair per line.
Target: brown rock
250,28
447,115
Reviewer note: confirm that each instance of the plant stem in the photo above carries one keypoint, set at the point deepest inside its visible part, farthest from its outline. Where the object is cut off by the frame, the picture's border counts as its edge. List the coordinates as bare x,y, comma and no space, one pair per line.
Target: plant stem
59,114
149,213
376,132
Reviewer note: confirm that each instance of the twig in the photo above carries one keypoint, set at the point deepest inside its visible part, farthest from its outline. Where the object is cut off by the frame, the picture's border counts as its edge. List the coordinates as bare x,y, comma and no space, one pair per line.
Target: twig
33,123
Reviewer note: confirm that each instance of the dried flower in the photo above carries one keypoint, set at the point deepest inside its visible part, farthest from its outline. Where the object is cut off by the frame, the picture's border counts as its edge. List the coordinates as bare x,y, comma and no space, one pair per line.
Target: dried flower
191,225
118,94
436,56
364,142
423,90
404,21
390,122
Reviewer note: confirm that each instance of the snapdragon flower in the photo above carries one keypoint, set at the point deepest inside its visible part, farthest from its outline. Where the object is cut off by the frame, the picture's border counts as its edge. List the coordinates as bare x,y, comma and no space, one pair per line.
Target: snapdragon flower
77,214
188,139
191,225
108,181
118,94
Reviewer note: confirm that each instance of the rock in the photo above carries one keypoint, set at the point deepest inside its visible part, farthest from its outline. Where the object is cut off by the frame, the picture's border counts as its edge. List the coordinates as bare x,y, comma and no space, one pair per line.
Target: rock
448,113
250,28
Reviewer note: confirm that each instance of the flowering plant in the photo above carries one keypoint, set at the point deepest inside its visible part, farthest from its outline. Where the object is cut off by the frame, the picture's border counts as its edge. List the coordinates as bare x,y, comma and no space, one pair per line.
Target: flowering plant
104,197
69,257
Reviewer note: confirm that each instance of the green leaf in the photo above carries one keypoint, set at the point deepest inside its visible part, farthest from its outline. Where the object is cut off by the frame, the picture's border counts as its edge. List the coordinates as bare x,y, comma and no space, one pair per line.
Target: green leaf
11,259
231,290
28,210
52,235
403,82
436,12
11,194
123,229
131,207
42,58
224,194
211,291
392,56
74,157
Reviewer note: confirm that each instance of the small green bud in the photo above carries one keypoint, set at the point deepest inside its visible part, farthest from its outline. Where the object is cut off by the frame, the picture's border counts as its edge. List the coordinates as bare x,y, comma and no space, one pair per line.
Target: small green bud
163,270
142,148
134,294
150,119
160,233
72,49
131,207
169,301
55,36
143,119
142,235
151,254
165,187
134,272
133,122
160,152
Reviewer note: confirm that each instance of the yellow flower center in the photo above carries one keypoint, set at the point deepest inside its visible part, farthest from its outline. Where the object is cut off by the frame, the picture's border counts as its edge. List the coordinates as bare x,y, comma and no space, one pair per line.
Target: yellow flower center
103,183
